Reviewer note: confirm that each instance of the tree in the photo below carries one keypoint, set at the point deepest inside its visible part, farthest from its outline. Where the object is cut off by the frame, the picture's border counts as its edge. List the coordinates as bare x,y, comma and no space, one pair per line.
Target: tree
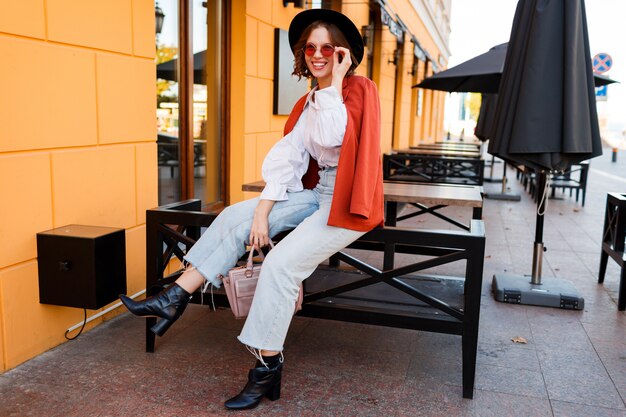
474,105
165,53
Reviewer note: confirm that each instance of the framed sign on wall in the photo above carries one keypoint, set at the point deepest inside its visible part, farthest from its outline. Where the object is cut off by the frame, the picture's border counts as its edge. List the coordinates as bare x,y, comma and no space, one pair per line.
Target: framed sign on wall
287,88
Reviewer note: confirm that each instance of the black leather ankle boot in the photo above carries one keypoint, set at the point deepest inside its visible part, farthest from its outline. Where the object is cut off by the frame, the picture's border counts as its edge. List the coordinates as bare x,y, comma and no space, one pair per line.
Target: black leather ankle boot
169,305
262,381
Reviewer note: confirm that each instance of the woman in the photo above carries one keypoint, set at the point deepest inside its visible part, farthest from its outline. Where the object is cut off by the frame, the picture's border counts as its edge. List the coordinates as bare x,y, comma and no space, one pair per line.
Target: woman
323,180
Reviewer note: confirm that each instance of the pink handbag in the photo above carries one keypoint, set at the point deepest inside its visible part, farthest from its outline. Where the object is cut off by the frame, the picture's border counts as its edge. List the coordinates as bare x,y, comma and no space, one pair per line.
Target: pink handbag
241,283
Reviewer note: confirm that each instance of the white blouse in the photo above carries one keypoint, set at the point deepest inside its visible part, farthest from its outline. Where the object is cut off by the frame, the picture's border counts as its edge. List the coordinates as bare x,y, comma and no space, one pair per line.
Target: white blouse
318,133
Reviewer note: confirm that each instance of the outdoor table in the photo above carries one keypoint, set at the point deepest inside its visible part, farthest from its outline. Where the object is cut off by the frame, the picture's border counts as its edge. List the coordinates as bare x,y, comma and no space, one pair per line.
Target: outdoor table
415,167
455,146
442,152
428,198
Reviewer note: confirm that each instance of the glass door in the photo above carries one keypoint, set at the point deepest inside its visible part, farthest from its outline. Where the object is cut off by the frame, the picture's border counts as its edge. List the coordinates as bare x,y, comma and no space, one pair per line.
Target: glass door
190,109
208,130
167,101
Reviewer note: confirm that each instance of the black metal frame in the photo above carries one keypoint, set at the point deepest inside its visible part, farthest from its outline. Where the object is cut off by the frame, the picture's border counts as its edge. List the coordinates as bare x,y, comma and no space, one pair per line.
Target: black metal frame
172,229
391,217
433,169
613,236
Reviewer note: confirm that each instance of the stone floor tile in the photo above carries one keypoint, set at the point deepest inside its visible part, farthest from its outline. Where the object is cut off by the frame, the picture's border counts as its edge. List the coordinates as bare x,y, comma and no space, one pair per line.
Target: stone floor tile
26,398
566,409
577,381
513,356
495,404
510,381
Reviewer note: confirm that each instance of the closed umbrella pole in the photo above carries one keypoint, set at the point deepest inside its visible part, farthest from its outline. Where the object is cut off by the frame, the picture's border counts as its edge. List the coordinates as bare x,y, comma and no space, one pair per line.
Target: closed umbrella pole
546,119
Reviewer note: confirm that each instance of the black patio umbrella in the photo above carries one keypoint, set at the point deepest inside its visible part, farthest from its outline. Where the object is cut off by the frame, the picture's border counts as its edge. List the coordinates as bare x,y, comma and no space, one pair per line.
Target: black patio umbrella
480,74
485,116
546,116
169,70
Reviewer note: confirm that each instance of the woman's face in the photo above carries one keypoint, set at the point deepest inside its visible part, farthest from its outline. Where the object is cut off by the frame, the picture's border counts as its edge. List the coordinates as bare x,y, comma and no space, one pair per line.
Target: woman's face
320,66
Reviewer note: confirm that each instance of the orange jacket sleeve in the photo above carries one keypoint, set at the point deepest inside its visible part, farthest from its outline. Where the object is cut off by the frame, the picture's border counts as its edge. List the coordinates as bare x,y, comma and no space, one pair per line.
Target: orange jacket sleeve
368,166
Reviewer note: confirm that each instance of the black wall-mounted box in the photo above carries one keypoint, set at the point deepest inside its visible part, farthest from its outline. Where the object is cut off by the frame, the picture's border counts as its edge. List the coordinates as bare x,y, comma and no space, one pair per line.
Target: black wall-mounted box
81,266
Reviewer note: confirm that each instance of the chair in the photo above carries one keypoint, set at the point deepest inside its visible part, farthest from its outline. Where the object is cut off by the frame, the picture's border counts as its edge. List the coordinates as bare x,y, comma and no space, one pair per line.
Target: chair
613,237
574,179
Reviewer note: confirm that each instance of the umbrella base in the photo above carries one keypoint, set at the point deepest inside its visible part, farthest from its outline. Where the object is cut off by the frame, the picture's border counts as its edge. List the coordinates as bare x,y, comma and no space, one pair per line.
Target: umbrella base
555,292
503,196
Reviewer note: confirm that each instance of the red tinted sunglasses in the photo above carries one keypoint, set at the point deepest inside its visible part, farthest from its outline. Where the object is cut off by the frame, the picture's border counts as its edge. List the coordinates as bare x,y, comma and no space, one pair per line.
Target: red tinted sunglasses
326,49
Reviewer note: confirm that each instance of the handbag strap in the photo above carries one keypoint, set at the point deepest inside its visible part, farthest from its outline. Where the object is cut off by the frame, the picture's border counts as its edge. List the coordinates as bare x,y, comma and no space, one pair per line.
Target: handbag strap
249,264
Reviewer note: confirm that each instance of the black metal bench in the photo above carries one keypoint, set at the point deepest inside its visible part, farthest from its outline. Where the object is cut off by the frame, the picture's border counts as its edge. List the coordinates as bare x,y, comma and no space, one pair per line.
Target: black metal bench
336,294
613,237
433,169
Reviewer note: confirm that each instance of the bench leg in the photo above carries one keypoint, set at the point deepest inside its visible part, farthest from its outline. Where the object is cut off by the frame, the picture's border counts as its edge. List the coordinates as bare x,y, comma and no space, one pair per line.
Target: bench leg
469,342
604,257
150,337
621,299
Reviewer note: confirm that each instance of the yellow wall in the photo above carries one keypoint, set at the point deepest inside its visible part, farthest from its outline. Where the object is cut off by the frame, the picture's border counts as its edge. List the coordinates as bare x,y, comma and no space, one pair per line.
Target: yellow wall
77,145
254,129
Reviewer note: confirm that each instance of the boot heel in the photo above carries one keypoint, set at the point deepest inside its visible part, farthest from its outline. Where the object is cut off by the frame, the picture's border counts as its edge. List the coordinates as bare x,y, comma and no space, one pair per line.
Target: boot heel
274,393
161,327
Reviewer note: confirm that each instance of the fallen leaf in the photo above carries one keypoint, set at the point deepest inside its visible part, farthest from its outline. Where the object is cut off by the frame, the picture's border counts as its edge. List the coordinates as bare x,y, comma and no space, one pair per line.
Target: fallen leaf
556,269
507,228
575,210
488,257
519,339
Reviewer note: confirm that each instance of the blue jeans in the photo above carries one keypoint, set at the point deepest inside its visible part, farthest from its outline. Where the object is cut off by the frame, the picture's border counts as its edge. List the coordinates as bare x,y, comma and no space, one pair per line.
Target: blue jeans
291,261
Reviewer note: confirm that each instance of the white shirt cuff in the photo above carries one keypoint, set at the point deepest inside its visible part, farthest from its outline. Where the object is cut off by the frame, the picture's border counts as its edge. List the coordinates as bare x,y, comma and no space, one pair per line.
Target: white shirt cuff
274,191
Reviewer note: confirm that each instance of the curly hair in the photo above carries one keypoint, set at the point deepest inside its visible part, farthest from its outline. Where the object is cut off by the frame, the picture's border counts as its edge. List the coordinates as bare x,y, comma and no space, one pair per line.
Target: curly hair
337,38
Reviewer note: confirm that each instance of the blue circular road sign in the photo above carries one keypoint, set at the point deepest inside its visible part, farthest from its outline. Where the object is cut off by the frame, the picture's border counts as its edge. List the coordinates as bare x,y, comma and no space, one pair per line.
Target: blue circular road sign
602,62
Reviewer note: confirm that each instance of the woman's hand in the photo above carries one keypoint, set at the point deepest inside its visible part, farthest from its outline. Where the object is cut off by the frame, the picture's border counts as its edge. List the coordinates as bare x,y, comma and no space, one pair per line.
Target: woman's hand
340,69
259,232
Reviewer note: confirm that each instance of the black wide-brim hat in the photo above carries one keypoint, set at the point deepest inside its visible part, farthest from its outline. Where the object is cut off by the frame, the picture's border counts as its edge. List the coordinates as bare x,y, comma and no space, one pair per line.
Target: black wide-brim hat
303,19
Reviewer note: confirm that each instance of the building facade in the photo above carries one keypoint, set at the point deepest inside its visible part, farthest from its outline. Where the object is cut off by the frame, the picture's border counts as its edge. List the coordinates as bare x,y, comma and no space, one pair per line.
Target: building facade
80,143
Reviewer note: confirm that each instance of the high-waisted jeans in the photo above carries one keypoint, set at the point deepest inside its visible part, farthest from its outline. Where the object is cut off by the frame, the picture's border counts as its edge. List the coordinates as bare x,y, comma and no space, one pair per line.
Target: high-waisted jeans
291,261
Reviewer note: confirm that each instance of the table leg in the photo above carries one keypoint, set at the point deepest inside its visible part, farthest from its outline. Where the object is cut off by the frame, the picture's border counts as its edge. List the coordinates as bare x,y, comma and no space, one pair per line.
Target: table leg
391,215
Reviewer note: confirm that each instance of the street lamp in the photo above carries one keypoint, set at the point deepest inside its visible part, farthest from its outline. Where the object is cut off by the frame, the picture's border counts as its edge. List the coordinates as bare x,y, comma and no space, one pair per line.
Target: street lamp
159,16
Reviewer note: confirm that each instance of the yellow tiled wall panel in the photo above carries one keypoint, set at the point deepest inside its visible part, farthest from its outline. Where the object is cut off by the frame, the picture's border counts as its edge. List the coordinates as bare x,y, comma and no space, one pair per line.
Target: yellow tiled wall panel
49,95
258,105
23,17
250,163
264,143
251,39
143,28
3,366
135,259
260,9
98,24
27,205
126,98
251,168
147,179
95,186
30,328
265,46
281,15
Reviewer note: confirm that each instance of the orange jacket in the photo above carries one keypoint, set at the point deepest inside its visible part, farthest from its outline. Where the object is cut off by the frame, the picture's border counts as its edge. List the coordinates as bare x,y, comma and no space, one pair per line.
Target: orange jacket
358,199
